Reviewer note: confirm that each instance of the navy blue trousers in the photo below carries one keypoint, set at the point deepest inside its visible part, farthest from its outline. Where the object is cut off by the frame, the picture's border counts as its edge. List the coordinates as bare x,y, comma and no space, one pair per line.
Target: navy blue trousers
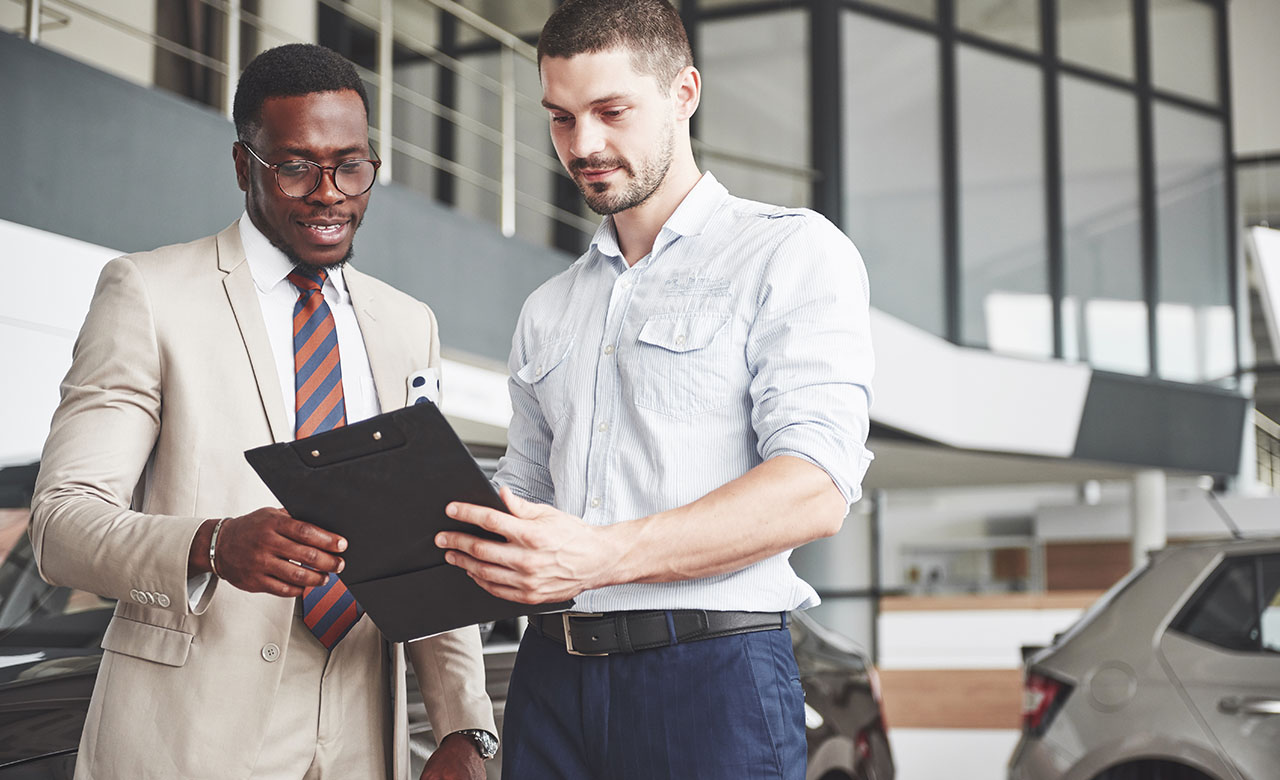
720,709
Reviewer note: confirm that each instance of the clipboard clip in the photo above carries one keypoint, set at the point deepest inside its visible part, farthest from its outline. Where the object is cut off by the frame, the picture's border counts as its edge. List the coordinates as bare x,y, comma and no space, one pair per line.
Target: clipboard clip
353,441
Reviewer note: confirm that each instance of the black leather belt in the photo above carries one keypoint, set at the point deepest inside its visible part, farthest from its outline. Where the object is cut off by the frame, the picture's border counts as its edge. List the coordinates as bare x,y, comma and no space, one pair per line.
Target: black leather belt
626,632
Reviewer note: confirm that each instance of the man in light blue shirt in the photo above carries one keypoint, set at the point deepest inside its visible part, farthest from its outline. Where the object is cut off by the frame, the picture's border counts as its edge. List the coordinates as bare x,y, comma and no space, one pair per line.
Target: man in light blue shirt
690,404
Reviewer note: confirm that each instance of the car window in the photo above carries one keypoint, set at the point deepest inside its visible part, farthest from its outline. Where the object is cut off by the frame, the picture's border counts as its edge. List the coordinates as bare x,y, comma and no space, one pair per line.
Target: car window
1238,608
1270,623
36,614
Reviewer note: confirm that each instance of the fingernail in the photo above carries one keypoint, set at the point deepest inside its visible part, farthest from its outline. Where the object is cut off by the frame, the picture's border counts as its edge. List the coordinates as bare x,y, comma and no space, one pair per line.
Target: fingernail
450,558
451,510
440,540
341,565
342,545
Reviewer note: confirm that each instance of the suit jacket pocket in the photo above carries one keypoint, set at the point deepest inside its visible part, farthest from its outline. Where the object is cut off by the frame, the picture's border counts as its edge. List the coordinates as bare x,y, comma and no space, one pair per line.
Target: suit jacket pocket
146,641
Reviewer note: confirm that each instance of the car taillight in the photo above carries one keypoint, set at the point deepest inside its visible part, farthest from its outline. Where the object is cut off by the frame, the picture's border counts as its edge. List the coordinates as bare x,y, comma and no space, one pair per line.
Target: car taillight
1042,697
862,746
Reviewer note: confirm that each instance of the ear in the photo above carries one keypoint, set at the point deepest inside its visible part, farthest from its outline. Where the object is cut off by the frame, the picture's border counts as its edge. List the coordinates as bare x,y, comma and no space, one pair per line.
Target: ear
686,92
241,159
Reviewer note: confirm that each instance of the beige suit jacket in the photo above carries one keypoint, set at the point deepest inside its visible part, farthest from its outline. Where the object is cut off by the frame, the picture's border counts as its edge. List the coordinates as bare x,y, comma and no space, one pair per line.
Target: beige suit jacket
172,380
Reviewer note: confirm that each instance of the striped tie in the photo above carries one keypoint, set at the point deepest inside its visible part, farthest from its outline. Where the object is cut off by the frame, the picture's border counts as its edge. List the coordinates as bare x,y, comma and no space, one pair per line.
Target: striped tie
329,610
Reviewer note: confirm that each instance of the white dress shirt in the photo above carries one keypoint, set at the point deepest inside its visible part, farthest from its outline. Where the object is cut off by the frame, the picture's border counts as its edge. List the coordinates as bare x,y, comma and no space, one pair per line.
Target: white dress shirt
276,298
743,335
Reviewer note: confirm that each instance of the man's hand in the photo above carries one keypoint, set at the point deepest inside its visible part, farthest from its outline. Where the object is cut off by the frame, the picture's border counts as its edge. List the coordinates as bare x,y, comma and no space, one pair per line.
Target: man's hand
268,551
456,759
548,556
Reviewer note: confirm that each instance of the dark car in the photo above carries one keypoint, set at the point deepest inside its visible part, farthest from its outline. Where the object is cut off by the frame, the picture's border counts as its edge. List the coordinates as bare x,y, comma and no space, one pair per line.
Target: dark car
49,654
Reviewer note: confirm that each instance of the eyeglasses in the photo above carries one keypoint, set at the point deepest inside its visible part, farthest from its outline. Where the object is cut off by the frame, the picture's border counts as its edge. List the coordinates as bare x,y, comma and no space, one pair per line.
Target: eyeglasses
300,178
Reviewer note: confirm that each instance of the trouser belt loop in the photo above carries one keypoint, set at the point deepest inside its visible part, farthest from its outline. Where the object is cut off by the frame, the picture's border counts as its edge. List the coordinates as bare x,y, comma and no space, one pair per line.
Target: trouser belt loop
671,628
691,623
624,636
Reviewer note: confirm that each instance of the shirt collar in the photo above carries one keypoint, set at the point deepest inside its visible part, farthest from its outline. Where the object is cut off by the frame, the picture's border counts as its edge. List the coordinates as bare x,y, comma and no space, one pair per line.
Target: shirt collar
269,265
697,208
689,218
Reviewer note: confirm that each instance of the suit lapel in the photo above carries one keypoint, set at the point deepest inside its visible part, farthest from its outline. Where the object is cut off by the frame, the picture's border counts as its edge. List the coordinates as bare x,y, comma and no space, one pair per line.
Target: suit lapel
244,303
378,343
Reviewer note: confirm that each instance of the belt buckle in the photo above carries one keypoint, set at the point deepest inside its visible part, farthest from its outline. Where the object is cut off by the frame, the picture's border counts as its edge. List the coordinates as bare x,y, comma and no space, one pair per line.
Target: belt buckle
568,635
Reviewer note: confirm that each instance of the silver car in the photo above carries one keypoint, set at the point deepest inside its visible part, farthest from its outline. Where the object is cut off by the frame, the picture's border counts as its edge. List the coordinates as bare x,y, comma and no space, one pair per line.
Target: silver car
1174,674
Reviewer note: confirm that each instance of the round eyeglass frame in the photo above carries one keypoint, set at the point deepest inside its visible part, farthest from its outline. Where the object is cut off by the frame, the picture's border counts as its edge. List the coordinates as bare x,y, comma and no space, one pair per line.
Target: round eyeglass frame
332,170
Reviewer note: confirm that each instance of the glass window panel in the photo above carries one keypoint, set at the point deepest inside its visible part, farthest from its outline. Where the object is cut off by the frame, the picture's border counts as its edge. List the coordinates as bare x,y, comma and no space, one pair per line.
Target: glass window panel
1269,621
1011,21
725,3
1259,193
754,117
1194,319
1097,34
892,174
1003,265
523,18
925,8
1184,48
1104,312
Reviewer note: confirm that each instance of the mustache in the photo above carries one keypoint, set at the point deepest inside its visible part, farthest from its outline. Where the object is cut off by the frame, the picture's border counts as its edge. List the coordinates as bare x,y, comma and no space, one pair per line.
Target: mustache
598,163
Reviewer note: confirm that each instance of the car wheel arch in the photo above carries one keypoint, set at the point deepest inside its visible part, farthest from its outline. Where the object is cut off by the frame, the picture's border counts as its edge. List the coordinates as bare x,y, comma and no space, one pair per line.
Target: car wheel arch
1155,769
1113,756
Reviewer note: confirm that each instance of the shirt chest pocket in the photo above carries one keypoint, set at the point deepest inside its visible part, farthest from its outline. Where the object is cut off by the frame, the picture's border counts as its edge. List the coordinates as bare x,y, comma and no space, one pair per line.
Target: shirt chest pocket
546,373
683,364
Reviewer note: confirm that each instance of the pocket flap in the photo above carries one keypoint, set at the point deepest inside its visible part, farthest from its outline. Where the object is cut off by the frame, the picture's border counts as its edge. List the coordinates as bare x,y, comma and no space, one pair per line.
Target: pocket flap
147,641
682,333
547,357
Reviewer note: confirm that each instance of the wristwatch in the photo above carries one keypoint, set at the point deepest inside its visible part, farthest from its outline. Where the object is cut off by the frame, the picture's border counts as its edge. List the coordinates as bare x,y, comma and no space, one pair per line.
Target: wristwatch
486,743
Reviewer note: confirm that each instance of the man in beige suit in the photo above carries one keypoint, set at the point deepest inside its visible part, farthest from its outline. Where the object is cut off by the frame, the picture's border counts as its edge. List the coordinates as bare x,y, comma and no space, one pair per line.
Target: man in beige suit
187,358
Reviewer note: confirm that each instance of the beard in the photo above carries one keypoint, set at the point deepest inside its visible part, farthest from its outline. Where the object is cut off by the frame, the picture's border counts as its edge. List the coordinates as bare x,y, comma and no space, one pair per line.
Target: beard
303,265
642,181
263,225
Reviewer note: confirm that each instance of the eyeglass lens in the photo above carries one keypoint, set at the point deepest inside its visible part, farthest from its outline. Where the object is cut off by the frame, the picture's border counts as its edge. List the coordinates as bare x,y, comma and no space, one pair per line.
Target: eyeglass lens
299,179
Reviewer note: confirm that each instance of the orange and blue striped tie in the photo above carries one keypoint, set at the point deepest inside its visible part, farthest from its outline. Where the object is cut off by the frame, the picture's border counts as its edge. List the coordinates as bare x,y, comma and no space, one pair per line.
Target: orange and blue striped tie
329,610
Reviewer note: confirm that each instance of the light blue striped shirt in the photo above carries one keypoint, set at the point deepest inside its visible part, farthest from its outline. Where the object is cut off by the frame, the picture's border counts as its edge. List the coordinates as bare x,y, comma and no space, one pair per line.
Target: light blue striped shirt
742,336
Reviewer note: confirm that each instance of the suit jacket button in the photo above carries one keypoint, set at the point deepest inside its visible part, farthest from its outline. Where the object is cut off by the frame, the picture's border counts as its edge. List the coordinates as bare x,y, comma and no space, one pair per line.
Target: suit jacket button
135,595
270,652
162,600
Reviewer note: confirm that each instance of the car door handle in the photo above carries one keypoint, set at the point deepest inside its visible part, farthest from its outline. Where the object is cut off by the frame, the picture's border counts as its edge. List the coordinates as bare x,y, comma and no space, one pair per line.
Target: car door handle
1236,705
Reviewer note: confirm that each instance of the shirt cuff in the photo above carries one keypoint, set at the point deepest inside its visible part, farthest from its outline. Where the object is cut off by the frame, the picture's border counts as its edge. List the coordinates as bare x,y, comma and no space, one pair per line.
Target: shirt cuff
196,587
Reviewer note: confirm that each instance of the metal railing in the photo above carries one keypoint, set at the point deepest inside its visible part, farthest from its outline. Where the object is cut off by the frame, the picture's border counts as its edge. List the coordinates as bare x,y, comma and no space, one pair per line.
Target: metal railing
46,15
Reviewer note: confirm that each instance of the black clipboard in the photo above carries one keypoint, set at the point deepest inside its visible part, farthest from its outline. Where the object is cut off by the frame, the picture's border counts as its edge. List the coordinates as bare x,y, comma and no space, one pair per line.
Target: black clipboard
383,483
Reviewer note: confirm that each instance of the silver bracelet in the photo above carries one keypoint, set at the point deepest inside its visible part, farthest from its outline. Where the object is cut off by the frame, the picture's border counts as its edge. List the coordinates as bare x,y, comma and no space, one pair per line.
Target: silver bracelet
213,545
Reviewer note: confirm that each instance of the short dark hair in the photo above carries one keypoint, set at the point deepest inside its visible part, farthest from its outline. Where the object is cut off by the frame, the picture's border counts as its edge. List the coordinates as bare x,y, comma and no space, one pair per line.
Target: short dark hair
651,30
287,71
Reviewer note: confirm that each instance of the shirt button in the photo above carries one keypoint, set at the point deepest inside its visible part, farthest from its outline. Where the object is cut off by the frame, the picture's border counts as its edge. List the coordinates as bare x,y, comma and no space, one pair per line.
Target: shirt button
270,652
595,502
679,339
608,350
626,285
602,427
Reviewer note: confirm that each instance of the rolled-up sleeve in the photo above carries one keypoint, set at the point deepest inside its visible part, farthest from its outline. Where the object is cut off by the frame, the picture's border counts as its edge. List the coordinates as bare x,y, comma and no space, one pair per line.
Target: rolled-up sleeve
809,352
